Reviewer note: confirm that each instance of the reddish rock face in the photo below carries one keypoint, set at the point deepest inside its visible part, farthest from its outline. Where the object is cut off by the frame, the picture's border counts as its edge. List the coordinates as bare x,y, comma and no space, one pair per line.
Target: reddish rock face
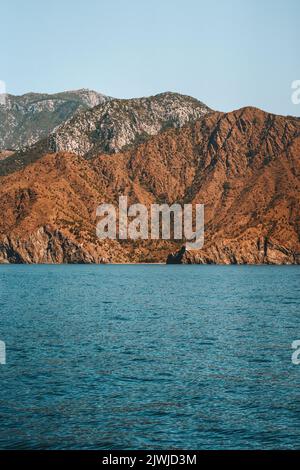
244,166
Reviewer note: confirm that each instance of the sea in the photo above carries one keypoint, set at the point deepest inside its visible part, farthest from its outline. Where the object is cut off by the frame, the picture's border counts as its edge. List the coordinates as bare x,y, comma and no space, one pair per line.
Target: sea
149,357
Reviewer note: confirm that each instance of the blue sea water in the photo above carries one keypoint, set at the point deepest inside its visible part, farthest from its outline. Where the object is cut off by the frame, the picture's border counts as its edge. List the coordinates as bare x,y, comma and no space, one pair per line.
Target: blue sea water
149,357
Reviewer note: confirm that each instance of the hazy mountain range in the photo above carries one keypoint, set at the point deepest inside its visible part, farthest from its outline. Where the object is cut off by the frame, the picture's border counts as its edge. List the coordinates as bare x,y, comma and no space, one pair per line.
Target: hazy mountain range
244,166
28,118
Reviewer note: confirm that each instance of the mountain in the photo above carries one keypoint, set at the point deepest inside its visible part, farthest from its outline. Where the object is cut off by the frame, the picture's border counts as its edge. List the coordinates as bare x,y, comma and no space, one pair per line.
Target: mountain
116,124
113,126
28,118
244,166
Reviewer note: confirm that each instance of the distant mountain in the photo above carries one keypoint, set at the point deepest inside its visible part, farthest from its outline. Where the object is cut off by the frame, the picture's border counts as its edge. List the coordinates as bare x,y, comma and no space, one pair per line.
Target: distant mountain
113,125
244,166
28,118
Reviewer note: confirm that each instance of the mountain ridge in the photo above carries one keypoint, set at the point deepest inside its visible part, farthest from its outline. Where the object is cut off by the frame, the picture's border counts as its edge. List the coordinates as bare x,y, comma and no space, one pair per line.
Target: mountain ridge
27,118
244,166
112,126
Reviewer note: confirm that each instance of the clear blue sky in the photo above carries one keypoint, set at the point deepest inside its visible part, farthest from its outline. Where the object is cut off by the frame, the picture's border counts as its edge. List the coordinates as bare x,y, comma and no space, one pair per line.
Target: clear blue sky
227,53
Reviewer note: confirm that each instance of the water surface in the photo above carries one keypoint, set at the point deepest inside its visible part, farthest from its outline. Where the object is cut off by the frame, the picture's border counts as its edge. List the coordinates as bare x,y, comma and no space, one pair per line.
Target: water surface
149,357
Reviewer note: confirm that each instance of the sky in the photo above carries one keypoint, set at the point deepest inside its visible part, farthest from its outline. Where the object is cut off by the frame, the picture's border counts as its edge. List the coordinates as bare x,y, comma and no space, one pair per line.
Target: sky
226,53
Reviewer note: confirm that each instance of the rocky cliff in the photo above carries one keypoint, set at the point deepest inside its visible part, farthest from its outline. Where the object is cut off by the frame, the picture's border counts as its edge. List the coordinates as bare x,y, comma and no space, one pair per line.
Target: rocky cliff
244,166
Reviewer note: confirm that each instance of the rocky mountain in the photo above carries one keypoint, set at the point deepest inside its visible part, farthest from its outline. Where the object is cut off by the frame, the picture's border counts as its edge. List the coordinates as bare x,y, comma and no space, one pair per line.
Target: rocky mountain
116,124
113,126
244,166
28,118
